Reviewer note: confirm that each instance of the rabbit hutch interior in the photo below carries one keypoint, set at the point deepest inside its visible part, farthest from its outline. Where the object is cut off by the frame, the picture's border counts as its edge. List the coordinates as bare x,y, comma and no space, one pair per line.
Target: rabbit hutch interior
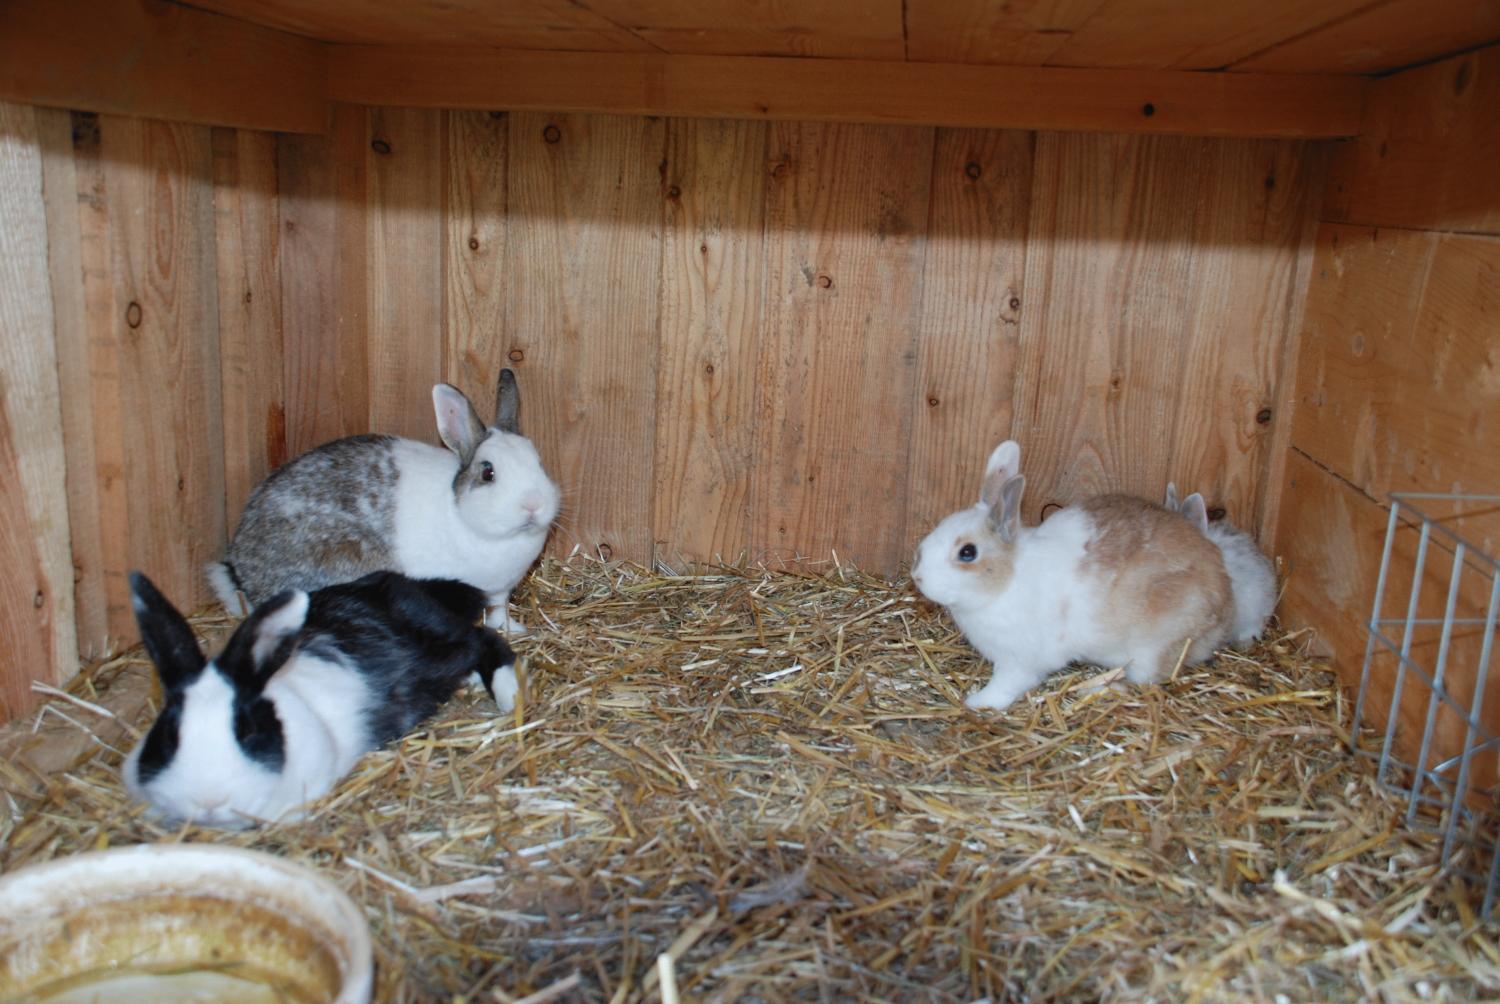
773,281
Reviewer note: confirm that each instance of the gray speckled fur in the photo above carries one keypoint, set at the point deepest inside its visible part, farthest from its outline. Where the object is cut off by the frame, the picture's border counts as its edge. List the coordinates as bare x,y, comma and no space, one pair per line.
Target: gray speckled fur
327,516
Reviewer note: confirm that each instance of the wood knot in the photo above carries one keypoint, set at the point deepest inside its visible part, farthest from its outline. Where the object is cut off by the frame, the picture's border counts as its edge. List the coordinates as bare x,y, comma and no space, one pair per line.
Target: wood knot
249,295
825,280
515,355
1148,109
1270,182
1263,417
606,552
551,133
972,171
133,315
473,243
1216,513
708,368
932,402
674,193
1015,303
380,146
39,600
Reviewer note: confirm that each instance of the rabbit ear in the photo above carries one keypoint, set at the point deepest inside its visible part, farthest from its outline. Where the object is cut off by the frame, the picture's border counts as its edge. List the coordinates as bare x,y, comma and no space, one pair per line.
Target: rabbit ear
1004,464
508,403
264,642
1171,499
457,421
1195,511
168,639
1005,514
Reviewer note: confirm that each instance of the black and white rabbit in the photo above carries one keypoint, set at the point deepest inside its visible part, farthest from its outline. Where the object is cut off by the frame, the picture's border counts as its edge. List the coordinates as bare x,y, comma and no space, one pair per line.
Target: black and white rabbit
1251,572
307,684
478,512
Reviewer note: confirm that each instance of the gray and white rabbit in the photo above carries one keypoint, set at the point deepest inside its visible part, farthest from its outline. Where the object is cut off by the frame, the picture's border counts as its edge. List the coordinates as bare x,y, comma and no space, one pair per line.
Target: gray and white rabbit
1251,572
478,512
1112,580
306,685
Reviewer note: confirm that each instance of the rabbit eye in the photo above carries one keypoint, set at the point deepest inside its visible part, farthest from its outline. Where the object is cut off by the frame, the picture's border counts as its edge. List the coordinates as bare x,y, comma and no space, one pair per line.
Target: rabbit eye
968,553
486,471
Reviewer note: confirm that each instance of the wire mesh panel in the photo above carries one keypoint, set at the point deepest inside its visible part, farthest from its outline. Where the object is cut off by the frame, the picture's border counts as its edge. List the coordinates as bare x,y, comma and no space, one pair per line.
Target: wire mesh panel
1427,668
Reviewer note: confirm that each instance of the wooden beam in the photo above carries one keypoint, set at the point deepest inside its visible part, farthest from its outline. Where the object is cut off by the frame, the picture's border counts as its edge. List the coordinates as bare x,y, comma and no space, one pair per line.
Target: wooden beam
843,90
157,60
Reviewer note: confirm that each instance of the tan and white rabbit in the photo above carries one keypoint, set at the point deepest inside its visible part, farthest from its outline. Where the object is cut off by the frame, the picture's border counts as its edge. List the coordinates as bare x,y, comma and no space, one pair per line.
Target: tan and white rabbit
1113,580
1251,573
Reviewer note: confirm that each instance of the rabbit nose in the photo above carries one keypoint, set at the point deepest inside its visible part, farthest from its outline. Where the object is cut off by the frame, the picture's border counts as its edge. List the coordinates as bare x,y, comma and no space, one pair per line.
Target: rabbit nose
532,504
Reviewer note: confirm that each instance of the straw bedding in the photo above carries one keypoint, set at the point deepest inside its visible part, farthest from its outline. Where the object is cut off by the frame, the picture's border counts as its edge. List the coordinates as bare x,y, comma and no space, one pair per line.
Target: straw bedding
770,778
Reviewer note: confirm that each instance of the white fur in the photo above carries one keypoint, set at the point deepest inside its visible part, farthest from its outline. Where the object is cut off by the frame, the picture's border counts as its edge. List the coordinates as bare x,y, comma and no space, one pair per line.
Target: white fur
488,536
224,589
1252,578
1025,630
210,780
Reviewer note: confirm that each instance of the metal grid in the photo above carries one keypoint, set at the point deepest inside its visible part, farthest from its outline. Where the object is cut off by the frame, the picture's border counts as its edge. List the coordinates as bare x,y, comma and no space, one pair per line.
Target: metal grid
1437,793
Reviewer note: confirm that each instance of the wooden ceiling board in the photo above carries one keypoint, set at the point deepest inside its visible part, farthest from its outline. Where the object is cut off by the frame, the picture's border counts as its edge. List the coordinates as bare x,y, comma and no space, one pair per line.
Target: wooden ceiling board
1019,33
517,24
1191,34
836,29
1387,36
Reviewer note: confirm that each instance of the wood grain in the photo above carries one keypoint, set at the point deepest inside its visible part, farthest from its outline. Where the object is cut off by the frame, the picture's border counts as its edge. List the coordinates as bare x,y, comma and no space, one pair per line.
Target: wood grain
584,254
101,380
406,290
61,197
1020,33
1421,158
322,197
712,290
1162,274
1189,35
840,90
166,333
1381,37
247,240
1258,203
475,265
36,592
1399,380
972,301
846,213
161,60
850,29
533,24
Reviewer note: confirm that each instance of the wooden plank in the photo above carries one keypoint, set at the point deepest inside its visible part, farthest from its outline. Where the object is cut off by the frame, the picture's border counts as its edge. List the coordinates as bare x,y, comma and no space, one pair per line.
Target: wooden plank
1397,385
474,249
99,378
60,193
1331,538
1020,33
405,157
1417,162
36,591
534,24
584,254
1161,274
1190,34
250,349
162,60
844,29
972,301
321,183
1108,274
837,90
1259,202
713,273
1380,37
846,213
165,328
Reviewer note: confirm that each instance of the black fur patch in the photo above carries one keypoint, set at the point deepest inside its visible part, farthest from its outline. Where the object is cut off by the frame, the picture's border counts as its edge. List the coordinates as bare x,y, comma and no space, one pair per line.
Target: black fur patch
161,742
414,641
258,731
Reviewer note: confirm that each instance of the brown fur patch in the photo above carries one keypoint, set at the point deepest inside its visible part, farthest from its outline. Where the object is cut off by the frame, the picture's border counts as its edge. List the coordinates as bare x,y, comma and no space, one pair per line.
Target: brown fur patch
995,566
1157,567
